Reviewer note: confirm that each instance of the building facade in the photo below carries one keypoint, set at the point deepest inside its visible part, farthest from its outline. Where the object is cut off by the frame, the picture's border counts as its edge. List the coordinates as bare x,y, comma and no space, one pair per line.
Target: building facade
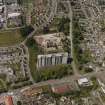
52,59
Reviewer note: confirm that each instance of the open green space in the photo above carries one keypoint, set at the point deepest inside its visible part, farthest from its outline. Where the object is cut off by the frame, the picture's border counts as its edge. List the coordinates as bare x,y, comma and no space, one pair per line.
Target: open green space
24,2
15,36
54,72
60,25
3,86
32,62
81,57
63,25
33,51
11,37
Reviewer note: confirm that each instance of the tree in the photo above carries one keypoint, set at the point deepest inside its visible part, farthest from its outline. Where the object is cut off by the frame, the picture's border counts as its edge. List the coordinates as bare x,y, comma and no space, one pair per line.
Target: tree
19,103
32,43
26,30
63,25
19,2
46,30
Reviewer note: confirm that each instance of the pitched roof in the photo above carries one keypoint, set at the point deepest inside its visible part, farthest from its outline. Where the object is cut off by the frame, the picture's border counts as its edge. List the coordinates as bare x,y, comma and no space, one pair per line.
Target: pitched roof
61,88
8,100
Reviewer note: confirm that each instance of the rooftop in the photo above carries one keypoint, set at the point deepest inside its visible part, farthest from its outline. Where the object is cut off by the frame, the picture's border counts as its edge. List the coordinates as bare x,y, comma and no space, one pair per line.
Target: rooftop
61,88
6,100
82,81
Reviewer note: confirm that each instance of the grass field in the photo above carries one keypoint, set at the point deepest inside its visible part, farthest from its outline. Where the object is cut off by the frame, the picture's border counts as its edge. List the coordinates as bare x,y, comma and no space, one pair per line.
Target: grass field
32,62
12,37
2,85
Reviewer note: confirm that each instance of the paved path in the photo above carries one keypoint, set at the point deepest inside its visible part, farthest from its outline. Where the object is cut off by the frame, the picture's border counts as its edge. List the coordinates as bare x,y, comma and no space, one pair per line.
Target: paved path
29,71
71,39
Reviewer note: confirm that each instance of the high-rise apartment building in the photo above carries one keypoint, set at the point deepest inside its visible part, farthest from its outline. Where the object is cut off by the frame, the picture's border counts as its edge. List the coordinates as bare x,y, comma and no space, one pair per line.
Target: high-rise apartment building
52,59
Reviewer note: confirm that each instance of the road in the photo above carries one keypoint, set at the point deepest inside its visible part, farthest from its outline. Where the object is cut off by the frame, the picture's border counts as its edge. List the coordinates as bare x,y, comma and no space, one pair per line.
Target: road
29,71
71,79
76,73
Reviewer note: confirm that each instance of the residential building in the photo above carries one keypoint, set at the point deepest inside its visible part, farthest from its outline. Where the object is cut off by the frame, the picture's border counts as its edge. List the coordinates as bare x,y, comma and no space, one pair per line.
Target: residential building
6,100
84,82
61,88
50,42
52,59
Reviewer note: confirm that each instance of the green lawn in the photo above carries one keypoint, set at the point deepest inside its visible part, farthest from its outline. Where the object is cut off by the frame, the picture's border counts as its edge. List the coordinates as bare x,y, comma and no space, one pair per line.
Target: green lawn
12,37
32,62
34,50
3,86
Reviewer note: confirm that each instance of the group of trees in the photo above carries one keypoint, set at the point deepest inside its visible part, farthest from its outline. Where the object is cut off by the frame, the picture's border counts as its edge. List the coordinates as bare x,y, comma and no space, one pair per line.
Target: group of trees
19,103
3,87
31,43
26,30
54,72
34,50
20,2
77,39
63,25
66,45
20,85
101,2
82,56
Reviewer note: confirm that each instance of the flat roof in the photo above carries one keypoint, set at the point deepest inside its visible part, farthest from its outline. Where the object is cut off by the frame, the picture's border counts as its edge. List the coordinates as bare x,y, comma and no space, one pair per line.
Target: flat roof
82,80
13,15
54,54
